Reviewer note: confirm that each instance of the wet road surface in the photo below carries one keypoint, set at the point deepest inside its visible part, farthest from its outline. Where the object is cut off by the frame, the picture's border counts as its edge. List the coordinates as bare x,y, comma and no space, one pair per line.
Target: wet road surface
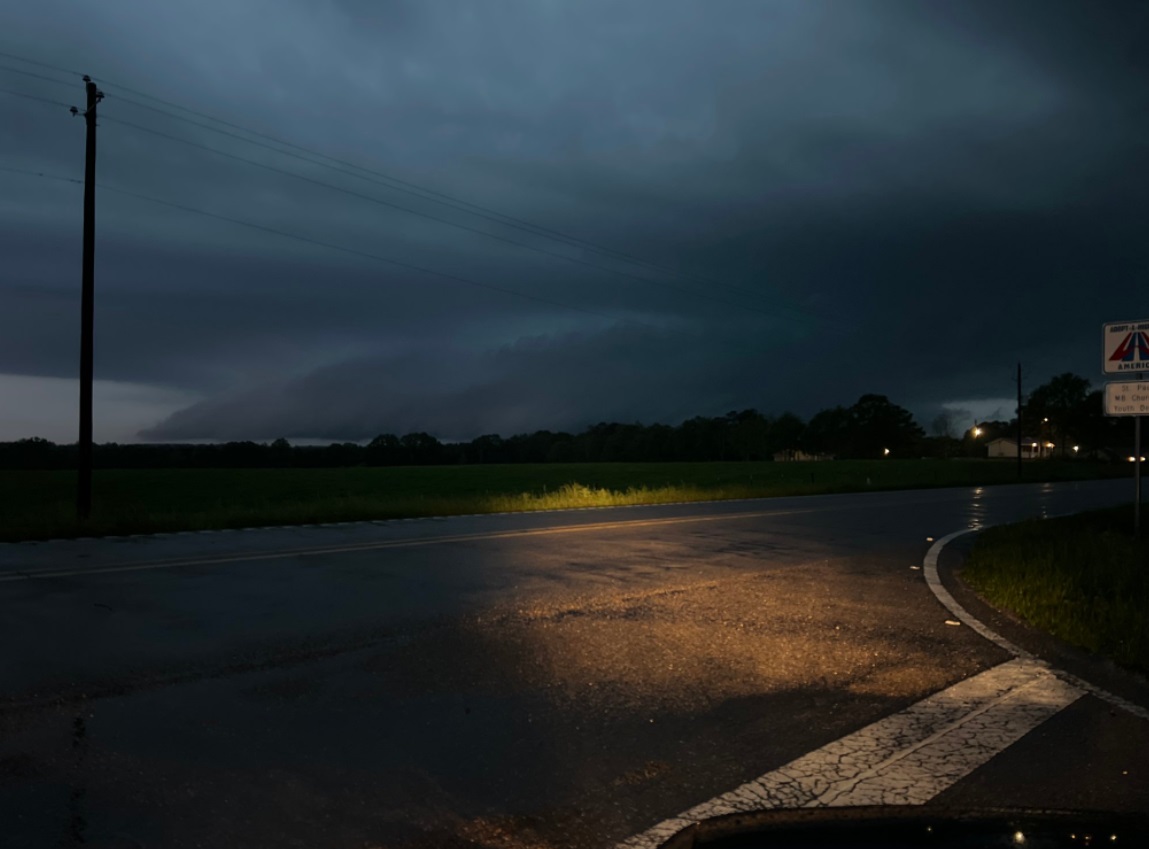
531,680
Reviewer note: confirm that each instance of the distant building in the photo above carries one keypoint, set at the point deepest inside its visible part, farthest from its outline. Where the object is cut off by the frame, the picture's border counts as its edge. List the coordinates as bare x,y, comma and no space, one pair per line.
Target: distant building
1031,449
795,455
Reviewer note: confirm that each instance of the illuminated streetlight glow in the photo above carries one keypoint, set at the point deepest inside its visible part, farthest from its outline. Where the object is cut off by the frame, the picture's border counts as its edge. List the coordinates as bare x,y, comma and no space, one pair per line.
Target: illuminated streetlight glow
885,452
976,431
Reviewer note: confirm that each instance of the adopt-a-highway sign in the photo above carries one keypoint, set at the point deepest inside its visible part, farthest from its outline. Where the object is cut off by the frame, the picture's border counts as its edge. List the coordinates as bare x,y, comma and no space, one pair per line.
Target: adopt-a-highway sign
1125,347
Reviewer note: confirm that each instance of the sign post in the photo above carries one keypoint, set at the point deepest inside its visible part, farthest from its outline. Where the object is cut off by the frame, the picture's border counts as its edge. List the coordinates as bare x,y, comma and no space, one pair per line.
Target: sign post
1125,350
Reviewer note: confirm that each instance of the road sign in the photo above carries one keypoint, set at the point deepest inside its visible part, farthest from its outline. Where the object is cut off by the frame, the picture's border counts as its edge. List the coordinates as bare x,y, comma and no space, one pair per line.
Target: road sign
1127,399
1125,347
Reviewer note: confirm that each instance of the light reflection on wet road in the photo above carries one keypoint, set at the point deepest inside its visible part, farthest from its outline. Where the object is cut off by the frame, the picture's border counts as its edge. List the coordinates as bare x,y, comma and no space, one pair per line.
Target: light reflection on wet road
557,679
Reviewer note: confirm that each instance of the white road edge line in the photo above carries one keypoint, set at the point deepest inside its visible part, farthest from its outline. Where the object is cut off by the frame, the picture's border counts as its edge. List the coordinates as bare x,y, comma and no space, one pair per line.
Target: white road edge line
911,756
934,582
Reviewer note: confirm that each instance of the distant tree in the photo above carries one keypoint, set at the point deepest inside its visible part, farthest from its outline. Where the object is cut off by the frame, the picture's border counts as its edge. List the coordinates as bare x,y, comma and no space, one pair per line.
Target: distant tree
422,449
944,428
748,435
625,442
828,432
280,453
384,450
785,433
242,455
489,448
877,425
592,441
943,424
701,438
1093,430
342,454
940,447
532,447
562,449
1056,409
32,453
660,438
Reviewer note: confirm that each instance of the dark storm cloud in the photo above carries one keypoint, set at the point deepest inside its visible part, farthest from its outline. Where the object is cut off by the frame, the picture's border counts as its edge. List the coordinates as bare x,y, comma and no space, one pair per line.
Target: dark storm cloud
667,373
908,198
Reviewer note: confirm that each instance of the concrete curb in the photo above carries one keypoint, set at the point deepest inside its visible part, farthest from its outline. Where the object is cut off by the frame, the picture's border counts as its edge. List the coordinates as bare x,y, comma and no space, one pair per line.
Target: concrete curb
934,582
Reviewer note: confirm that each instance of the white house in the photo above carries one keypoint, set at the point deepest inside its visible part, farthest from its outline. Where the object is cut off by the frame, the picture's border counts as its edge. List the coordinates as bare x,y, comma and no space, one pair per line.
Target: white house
791,455
1031,449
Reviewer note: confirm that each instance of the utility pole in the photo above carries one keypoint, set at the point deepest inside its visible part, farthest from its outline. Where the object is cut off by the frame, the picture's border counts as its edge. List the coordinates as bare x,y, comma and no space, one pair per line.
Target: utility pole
87,305
1137,472
1019,421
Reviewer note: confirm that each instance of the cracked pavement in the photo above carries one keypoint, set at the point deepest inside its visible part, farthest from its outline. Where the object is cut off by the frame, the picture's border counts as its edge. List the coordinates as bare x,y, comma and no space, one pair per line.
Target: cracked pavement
534,680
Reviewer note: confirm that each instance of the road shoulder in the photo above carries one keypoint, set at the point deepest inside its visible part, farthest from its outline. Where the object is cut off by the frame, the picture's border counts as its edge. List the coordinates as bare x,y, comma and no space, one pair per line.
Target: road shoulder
1098,671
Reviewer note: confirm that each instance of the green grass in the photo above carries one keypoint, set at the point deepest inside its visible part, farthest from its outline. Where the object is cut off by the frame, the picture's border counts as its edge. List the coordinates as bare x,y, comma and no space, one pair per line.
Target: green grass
39,504
1081,578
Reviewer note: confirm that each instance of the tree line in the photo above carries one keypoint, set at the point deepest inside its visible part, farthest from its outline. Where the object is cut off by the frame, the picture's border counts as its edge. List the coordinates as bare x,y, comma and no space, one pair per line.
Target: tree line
873,427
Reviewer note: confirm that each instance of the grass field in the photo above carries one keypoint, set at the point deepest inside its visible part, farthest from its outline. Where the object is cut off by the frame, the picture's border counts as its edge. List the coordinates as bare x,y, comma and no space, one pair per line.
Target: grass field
39,504
1081,578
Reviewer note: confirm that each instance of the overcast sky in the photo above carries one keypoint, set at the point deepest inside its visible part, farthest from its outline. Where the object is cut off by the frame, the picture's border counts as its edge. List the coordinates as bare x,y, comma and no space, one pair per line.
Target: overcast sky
831,197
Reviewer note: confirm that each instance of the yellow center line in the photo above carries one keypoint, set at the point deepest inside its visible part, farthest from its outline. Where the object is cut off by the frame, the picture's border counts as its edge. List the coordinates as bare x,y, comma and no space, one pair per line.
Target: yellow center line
410,542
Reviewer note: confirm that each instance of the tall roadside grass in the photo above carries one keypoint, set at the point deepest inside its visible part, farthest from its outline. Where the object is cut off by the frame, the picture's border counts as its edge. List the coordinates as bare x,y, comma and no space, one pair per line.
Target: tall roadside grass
573,495
39,505
1080,578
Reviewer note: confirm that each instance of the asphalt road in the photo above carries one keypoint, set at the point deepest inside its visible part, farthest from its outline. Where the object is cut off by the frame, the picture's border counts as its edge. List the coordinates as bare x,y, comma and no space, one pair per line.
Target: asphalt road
533,680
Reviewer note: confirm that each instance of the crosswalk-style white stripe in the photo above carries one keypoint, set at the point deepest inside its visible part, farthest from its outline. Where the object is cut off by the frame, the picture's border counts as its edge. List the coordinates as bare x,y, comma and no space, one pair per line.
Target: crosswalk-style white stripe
904,759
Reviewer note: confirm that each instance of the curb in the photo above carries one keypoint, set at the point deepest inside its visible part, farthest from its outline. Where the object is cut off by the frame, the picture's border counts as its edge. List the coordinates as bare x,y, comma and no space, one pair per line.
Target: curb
934,582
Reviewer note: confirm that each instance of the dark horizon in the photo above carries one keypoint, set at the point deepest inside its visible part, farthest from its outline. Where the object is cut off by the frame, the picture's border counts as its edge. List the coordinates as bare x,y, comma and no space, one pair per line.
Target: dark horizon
1065,414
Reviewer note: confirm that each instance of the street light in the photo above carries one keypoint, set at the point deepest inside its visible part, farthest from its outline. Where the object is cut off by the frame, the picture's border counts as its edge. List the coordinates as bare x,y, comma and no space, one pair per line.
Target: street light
976,431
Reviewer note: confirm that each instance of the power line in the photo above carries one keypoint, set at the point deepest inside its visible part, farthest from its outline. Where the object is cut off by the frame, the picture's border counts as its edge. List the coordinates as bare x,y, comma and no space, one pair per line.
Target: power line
343,249
428,194
35,97
426,215
43,174
317,242
41,64
331,186
412,188
34,74
311,241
